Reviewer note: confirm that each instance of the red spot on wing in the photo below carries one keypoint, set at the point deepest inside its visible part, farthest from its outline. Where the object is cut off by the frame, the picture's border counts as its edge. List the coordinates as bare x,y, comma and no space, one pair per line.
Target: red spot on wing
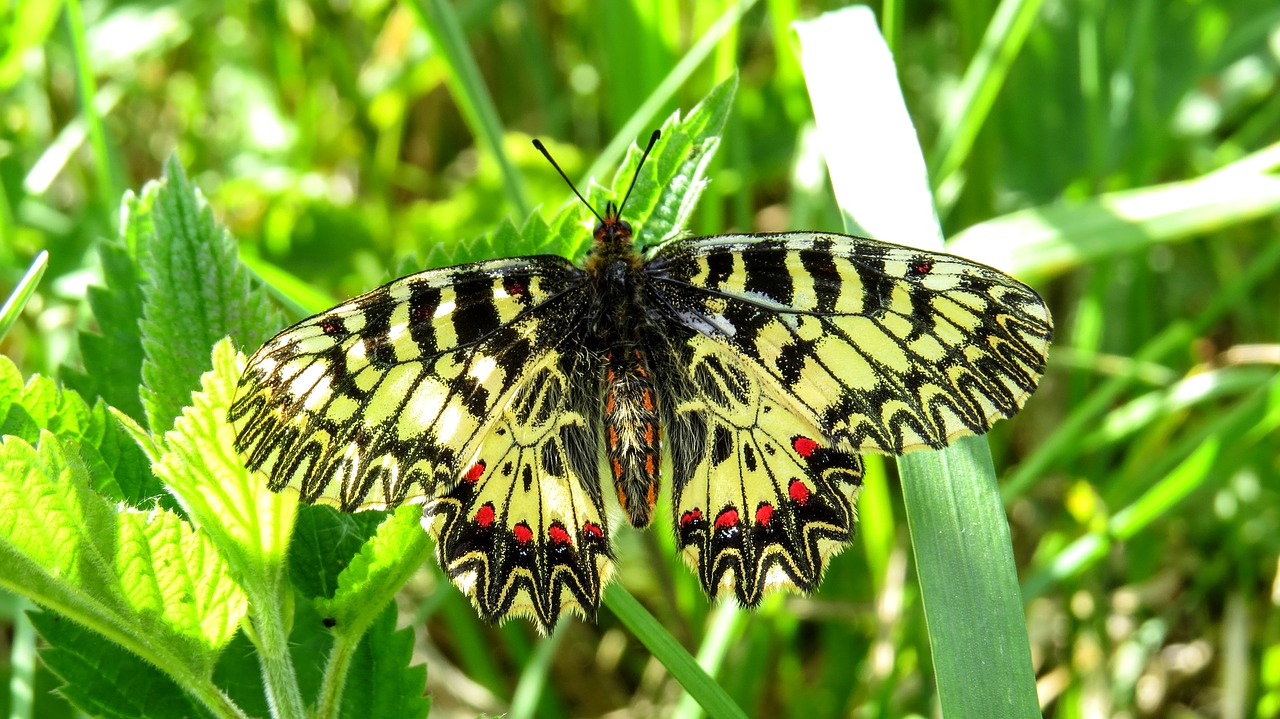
516,289
804,446
475,471
922,268
328,327
484,517
727,518
799,491
558,534
764,513
690,517
522,532
591,529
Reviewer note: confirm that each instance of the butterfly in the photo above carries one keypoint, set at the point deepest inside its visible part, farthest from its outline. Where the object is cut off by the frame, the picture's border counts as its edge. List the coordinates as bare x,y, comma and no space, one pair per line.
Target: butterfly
749,370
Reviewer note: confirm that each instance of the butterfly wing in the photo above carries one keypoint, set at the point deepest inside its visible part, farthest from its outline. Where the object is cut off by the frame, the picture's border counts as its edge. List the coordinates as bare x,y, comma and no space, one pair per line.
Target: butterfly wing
524,533
796,352
761,498
409,392
886,348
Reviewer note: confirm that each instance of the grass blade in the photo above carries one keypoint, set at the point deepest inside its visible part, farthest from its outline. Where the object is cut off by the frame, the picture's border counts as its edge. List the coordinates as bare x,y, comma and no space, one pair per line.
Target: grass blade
664,647
471,93
22,292
964,556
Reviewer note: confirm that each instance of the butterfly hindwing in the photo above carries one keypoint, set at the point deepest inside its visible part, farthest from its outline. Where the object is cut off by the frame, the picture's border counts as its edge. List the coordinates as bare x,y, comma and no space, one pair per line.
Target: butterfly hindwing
760,499
524,532
885,348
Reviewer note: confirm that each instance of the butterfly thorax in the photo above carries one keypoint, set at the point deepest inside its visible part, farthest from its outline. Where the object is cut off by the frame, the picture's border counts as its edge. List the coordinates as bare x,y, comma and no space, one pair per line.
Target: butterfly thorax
619,327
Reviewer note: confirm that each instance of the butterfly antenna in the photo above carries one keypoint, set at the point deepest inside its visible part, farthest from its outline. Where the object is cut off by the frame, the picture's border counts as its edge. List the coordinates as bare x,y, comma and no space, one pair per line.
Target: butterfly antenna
542,148
652,139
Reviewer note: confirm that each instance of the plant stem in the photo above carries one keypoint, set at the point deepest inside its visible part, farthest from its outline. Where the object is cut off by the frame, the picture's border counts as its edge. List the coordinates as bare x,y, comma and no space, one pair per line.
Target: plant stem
272,641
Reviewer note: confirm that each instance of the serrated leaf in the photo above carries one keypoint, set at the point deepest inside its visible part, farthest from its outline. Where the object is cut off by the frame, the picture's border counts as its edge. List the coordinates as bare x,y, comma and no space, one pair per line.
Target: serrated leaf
196,293
249,523
116,466
383,565
103,679
145,580
670,182
113,356
323,545
382,682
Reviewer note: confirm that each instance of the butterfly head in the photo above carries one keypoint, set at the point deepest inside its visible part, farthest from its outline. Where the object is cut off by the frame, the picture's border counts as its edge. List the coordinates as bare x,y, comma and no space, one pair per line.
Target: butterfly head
612,229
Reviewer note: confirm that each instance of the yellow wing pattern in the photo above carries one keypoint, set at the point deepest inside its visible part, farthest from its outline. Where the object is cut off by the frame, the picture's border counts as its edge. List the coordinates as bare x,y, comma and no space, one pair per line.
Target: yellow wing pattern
462,389
801,350
760,498
885,348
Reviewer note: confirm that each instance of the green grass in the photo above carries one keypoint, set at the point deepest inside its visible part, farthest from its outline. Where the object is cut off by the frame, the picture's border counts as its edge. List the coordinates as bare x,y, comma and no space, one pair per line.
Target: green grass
1121,157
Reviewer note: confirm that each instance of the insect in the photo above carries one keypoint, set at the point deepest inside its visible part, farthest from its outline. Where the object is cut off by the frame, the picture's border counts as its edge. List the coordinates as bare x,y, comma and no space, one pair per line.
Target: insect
751,370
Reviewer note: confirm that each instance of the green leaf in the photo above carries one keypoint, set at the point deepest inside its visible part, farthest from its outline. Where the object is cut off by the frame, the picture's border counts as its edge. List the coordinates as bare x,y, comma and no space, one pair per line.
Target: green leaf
382,682
14,418
323,545
196,293
383,565
113,356
104,680
959,532
144,580
22,292
248,523
116,466
668,185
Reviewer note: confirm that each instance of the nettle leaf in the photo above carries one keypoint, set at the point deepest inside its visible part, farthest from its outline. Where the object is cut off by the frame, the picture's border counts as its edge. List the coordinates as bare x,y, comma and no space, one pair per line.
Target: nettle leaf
249,523
113,356
324,543
102,679
196,292
669,183
14,418
145,580
117,467
382,566
381,682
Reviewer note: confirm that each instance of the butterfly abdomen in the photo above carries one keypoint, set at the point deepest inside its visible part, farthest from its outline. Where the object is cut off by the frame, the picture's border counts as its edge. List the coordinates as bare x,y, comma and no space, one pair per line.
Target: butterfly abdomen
632,432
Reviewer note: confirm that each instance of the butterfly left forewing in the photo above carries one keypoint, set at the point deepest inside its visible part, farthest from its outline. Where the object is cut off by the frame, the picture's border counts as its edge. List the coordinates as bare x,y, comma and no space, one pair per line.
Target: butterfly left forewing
377,401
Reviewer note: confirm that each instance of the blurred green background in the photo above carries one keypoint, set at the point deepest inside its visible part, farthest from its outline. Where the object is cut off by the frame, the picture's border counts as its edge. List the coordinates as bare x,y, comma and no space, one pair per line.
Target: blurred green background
341,141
